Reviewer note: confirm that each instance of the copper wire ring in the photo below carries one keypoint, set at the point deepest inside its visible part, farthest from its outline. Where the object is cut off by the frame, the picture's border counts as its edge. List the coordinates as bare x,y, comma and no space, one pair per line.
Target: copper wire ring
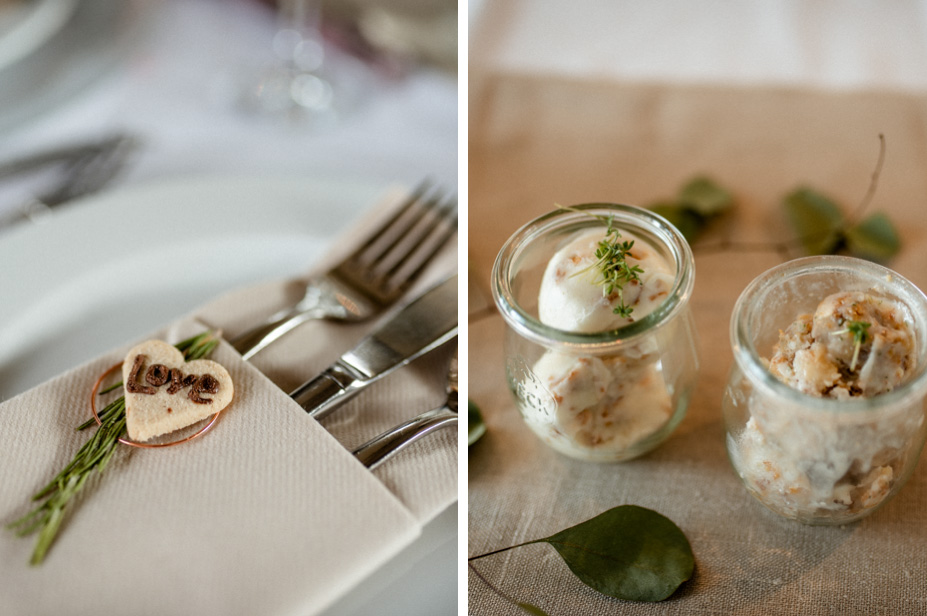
125,441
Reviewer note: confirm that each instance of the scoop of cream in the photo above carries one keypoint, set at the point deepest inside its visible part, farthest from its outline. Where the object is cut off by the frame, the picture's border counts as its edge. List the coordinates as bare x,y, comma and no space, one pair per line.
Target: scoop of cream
570,298
606,403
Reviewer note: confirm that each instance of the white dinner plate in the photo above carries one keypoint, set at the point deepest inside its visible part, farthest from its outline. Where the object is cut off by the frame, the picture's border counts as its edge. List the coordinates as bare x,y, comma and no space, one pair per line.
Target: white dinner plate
26,26
114,267
50,50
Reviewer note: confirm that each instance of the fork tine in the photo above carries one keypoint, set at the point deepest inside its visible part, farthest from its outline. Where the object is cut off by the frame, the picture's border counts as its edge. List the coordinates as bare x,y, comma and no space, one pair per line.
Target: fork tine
402,247
378,255
423,250
414,197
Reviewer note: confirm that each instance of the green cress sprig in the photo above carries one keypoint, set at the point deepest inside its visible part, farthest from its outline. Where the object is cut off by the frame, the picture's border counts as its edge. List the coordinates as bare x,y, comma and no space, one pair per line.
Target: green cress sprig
94,455
860,332
611,262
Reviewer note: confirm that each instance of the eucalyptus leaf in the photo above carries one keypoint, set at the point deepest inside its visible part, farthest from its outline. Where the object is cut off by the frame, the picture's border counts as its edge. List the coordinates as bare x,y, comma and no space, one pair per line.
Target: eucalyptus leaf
627,552
816,220
874,238
687,221
705,197
475,426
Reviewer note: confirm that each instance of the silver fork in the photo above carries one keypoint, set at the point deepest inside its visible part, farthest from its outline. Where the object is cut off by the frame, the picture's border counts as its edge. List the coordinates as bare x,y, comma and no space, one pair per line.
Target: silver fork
379,449
373,276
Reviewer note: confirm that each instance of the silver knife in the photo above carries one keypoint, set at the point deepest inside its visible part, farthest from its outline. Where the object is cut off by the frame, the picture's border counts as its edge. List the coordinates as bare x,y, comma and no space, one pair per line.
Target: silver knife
87,170
64,154
421,326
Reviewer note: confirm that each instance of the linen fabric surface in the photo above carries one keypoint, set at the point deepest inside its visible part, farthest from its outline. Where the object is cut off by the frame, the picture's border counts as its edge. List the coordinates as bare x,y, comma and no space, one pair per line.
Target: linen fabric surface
268,513
539,140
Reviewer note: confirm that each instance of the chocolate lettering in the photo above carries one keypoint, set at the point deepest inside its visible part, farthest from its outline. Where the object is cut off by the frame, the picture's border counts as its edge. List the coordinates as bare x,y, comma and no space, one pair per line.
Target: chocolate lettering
179,381
132,385
157,375
206,384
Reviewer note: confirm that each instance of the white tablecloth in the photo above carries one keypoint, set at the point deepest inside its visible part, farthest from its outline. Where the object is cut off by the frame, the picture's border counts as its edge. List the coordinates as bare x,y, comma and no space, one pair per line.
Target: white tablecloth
826,43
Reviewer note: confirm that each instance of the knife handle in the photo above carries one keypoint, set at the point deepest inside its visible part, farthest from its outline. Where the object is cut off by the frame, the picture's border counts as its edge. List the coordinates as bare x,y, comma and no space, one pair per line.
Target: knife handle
326,392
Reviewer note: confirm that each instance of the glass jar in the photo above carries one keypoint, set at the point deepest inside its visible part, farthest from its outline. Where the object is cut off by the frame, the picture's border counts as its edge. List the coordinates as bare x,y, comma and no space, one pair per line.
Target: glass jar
604,396
813,459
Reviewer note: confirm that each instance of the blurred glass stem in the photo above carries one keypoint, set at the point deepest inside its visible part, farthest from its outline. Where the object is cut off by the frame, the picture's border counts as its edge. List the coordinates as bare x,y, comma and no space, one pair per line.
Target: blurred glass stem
298,40
295,85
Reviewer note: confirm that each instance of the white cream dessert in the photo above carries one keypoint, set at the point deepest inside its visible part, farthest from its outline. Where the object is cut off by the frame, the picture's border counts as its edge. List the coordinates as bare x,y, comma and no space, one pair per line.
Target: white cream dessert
855,345
602,404
571,300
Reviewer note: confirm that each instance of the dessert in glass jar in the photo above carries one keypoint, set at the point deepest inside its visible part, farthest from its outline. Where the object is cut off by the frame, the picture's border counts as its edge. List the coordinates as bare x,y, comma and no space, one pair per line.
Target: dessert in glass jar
824,406
600,347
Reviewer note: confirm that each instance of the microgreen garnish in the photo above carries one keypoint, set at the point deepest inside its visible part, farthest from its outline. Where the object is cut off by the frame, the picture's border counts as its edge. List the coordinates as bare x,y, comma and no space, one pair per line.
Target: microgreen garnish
46,518
611,263
860,332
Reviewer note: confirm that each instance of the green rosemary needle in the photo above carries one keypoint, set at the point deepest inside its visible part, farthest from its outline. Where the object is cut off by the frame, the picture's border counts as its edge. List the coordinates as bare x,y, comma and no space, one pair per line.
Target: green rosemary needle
94,455
611,263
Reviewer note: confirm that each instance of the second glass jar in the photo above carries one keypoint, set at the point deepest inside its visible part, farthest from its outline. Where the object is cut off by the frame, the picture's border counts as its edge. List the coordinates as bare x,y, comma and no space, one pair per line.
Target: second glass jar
813,459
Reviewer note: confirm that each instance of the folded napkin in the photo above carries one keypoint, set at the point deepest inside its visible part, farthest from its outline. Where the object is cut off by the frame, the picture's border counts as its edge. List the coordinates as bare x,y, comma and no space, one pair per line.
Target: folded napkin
269,513
424,476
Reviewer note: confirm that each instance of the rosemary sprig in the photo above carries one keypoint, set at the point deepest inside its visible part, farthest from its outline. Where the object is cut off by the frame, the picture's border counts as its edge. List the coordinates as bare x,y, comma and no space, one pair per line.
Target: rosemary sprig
94,455
860,331
611,263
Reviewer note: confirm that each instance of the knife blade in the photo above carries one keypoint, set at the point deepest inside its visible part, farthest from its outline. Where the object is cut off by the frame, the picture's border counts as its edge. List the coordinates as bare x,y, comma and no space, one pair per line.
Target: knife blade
421,326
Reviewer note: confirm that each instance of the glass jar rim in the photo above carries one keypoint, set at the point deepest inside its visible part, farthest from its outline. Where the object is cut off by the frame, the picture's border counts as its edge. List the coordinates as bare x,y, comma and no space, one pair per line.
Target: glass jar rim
748,358
626,217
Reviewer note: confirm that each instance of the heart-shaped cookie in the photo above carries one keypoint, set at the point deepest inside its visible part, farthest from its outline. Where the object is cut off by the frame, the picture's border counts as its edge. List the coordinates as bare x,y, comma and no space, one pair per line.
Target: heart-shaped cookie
164,393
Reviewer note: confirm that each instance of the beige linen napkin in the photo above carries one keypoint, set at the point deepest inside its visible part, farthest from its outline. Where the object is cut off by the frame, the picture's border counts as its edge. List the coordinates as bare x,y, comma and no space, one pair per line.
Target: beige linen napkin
266,514
537,141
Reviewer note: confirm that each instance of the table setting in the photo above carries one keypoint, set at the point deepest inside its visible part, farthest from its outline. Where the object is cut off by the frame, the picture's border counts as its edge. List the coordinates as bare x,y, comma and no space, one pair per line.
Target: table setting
714,135
282,263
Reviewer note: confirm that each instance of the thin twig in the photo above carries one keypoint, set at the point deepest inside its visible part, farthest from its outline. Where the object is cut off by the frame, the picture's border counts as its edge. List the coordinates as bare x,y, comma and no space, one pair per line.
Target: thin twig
872,183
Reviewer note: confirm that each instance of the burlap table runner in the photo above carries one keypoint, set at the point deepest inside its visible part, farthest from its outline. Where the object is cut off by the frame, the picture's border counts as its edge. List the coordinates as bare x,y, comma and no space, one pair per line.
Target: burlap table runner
535,142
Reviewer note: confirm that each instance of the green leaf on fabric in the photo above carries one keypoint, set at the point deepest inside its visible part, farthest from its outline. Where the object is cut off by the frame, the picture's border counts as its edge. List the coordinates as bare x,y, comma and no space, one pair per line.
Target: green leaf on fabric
687,221
817,221
705,196
874,238
532,609
700,200
627,552
475,426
